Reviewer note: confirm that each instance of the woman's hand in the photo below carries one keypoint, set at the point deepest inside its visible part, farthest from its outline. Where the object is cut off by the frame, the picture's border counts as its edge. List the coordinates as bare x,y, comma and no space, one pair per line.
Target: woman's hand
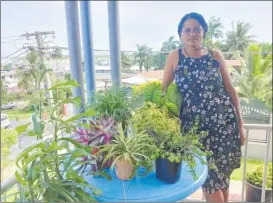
242,135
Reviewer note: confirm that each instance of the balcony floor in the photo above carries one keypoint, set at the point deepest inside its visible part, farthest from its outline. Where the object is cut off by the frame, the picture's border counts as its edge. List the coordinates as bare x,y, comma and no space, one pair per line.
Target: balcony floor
235,190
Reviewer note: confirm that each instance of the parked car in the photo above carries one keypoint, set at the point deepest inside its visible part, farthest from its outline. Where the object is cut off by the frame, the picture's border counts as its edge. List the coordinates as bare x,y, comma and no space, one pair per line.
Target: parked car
10,105
4,121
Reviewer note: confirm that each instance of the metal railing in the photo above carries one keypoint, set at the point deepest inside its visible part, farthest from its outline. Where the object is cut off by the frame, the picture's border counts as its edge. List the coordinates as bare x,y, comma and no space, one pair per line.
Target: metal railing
11,182
268,128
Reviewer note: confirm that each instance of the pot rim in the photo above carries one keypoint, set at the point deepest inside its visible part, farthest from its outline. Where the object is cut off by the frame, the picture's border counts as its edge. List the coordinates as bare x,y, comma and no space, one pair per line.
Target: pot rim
266,189
166,159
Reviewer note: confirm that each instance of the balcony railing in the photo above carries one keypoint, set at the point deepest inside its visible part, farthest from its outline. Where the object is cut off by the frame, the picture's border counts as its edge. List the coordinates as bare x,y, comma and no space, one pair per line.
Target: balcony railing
12,182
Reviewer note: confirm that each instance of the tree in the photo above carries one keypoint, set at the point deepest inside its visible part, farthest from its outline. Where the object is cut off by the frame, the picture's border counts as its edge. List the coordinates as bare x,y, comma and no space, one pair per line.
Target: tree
266,48
125,62
239,38
141,55
255,80
4,93
160,60
214,28
170,44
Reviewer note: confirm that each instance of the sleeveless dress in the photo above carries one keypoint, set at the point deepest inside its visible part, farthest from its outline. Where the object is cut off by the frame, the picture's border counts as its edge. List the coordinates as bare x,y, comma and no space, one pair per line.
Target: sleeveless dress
200,83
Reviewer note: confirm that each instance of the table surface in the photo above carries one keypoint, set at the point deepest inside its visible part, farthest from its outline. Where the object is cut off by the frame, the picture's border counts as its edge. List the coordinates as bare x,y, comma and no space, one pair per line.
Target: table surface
148,188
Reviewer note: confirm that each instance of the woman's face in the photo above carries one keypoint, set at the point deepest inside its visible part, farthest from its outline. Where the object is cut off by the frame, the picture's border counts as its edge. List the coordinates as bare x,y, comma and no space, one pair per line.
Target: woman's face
192,34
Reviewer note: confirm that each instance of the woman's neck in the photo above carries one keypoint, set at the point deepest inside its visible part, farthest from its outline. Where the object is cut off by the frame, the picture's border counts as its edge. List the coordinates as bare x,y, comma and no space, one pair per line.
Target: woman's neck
193,52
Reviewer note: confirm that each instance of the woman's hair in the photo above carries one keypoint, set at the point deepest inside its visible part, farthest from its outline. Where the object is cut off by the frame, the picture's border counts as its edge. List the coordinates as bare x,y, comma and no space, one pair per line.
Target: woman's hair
198,17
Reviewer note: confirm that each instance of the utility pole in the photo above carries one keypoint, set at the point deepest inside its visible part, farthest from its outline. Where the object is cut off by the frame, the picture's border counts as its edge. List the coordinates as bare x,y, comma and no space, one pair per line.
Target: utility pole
40,44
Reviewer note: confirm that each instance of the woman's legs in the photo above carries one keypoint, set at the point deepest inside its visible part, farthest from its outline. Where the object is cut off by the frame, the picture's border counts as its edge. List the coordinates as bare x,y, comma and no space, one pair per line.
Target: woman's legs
215,197
226,194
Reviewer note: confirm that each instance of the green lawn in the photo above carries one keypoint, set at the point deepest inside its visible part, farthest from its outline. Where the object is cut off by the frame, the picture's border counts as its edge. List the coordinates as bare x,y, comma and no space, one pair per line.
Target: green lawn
18,114
251,165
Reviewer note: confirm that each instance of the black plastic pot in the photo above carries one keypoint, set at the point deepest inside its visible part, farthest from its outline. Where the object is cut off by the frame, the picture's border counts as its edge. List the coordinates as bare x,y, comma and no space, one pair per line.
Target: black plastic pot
254,194
166,171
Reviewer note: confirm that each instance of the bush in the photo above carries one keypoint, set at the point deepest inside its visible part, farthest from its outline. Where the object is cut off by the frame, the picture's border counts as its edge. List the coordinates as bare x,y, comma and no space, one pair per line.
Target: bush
256,177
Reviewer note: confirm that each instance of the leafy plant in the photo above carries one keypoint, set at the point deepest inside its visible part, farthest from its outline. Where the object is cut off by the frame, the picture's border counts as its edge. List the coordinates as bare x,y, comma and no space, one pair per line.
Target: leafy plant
133,148
47,170
113,102
152,92
98,132
256,177
169,141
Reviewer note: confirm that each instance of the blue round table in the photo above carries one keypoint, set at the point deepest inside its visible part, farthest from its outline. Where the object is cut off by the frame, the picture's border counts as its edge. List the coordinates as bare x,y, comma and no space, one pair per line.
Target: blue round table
148,188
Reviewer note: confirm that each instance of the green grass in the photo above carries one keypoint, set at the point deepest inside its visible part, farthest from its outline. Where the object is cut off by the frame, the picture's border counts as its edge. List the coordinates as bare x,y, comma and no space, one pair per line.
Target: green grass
18,114
251,165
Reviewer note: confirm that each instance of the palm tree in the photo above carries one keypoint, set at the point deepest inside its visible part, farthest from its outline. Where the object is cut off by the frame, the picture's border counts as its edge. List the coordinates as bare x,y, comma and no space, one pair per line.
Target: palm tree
214,28
239,38
28,77
149,59
125,62
255,78
159,61
170,44
140,56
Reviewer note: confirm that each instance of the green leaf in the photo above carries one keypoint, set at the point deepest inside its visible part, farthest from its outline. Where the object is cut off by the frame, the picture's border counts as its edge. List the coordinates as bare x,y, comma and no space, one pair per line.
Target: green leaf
53,146
152,92
22,128
31,133
19,179
88,113
70,83
85,125
172,107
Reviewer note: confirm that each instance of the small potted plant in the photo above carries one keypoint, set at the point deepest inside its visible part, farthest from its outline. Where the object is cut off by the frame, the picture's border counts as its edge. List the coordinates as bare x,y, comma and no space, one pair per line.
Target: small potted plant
98,132
172,147
114,102
127,152
254,182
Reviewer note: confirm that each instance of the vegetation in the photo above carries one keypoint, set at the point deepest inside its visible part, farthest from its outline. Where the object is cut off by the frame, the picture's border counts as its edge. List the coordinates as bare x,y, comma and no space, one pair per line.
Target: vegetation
132,147
169,141
256,177
113,102
44,181
255,80
238,38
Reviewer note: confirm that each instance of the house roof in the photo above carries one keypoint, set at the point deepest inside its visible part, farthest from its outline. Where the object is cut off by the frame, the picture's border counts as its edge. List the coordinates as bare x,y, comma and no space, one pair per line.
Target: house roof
234,62
155,74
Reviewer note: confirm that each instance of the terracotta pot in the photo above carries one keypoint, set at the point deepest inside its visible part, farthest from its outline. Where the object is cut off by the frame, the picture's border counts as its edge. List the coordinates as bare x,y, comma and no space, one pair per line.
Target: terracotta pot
107,164
123,169
94,150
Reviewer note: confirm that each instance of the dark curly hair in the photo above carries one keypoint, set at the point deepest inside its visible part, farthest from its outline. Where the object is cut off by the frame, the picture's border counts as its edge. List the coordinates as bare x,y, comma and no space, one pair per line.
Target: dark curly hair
196,16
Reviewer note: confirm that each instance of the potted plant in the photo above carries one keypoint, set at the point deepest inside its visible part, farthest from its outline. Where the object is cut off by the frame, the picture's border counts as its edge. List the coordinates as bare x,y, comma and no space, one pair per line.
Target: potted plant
172,147
113,102
47,170
97,132
127,152
152,92
254,182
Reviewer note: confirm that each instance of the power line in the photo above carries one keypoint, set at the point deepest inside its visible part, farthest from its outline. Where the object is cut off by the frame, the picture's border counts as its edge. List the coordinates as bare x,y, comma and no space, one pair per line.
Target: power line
10,37
11,54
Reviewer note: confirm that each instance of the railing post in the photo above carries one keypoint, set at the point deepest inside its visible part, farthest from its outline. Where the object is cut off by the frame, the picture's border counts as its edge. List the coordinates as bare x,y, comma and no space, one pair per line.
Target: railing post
244,169
268,132
74,49
114,40
88,48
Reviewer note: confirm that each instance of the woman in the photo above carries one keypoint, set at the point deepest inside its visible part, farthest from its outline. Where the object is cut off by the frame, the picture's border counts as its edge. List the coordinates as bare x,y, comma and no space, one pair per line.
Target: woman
203,79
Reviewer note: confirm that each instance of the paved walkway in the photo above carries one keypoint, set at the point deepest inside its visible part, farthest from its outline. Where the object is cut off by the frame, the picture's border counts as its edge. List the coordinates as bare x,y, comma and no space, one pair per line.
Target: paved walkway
235,191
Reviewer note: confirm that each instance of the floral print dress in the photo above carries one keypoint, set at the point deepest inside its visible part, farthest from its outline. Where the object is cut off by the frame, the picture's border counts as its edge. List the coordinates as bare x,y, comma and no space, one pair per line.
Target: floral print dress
200,83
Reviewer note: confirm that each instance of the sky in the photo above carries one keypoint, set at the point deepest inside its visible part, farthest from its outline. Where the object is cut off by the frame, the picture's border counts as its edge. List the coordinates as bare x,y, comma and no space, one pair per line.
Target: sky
150,22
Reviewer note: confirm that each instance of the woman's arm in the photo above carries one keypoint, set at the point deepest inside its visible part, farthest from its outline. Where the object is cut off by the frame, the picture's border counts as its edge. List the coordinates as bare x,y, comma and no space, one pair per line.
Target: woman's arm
228,84
168,75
